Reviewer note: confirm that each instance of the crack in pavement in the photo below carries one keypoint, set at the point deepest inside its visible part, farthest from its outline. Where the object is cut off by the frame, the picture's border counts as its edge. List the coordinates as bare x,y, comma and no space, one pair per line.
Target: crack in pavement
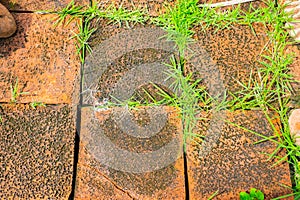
110,181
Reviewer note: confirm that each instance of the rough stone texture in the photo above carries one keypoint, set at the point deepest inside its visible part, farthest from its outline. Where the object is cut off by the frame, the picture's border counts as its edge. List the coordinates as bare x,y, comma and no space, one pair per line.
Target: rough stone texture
99,180
8,24
32,5
229,162
235,52
42,58
36,152
123,60
224,48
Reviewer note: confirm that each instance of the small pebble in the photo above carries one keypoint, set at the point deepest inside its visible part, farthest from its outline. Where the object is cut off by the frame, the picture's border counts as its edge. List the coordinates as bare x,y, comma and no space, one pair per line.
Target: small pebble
7,23
294,123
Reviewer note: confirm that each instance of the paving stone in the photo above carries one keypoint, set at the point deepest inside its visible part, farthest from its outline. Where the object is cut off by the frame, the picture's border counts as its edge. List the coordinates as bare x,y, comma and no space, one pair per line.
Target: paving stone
228,161
36,152
225,48
123,61
113,59
118,163
32,5
42,58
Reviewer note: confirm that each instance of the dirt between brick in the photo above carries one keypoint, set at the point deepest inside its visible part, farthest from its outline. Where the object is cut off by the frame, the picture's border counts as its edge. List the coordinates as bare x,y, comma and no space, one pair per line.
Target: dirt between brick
42,59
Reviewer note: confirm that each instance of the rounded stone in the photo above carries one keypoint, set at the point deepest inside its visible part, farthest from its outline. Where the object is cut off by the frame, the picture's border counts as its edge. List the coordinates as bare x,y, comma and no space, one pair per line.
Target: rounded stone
7,23
294,123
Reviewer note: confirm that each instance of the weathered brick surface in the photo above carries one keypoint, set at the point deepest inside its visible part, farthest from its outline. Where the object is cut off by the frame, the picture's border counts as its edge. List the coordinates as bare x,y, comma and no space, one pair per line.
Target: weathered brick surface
229,162
130,180
36,152
234,51
43,59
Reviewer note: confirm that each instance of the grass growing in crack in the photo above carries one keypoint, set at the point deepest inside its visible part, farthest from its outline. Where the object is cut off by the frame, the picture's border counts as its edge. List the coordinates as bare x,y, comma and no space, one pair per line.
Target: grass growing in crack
36,104
68,14
268,89
131,104
270,92
14,90
86,14
178,21
82,39
253,194
120,15
188,97
271,89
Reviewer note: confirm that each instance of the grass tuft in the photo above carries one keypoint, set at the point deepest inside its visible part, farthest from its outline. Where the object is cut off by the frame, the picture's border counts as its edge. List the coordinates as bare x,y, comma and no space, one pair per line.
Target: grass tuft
268,89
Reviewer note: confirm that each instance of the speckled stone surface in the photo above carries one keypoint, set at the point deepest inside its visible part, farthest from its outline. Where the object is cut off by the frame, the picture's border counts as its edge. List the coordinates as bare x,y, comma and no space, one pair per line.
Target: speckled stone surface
219,60
46,65
36,152
231,163
42,58
32,5
235,52
124,60
100,174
